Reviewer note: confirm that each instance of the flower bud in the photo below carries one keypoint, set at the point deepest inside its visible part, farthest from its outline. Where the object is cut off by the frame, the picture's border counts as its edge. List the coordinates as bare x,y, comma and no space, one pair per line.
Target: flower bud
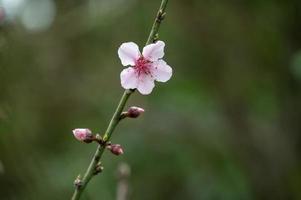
116,149
83,135
134,112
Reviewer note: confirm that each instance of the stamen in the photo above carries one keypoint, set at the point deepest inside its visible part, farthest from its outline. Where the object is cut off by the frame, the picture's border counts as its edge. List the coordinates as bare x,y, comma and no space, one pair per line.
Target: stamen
143,66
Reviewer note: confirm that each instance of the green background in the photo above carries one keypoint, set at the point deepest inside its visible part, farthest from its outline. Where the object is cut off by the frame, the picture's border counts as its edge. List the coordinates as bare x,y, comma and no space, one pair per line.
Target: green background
226,126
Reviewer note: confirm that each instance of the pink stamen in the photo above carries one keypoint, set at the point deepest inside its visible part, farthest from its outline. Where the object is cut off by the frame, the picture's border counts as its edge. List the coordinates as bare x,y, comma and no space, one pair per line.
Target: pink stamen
143,66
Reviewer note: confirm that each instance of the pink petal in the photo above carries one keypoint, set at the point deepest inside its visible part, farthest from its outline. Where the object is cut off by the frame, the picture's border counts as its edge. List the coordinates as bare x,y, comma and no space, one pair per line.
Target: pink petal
155,51
161,71
146,84
82,134
129,79
128,53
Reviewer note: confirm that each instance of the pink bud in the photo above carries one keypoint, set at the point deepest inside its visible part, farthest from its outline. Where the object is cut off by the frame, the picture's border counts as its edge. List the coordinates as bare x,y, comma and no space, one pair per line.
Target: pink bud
115,149
83,135
134,112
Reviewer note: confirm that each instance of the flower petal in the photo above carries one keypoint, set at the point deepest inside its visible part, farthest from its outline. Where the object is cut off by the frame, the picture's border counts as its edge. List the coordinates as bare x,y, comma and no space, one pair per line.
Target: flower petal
155,51
146,84
128,53
161,71
129,79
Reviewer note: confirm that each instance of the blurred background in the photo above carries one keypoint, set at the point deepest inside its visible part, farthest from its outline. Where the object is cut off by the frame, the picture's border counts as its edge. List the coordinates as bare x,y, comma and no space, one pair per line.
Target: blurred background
226,126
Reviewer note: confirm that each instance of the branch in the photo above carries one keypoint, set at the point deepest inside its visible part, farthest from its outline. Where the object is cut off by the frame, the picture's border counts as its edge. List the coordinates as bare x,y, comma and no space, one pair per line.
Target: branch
94,167
153,36
124,172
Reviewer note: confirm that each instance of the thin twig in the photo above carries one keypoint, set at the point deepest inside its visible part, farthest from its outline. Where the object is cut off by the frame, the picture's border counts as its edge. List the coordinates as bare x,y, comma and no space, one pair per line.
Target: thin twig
93,169
123,174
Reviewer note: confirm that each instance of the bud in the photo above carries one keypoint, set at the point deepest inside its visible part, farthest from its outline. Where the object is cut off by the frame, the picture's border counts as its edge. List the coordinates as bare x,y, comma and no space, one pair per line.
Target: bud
134,112
99,139
83,134
115,149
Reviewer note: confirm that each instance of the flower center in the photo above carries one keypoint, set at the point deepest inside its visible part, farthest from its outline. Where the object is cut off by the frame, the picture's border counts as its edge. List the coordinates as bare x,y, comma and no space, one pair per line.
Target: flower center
142,66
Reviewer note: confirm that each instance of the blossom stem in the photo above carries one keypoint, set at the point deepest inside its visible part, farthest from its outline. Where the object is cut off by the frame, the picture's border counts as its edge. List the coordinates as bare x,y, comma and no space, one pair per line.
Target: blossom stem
92,169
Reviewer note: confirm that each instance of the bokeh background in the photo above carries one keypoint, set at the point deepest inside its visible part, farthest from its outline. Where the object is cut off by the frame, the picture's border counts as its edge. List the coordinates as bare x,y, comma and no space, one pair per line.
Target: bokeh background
226,126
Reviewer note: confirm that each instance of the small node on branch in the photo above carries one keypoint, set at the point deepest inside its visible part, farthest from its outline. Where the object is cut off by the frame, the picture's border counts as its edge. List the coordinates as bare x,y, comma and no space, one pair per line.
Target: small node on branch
160,16
156,38
115,149
99,140
98,168
78,182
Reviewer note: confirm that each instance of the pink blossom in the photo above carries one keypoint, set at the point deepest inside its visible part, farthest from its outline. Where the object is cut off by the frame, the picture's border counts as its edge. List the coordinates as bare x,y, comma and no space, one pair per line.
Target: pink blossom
83,134
145,68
